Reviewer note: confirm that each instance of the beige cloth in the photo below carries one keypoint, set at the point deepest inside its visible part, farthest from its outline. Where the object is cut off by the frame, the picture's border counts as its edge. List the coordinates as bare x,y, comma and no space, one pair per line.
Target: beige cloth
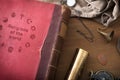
103,11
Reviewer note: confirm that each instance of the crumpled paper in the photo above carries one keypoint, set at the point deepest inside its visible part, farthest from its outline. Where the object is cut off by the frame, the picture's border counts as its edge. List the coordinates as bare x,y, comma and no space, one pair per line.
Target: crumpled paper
103,11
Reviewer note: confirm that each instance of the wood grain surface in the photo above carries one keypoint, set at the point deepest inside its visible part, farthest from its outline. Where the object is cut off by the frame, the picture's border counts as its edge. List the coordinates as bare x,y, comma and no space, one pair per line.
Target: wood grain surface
102,55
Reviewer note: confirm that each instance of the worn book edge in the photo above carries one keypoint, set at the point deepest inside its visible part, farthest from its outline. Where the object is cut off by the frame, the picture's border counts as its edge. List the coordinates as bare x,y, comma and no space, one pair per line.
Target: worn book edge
46,53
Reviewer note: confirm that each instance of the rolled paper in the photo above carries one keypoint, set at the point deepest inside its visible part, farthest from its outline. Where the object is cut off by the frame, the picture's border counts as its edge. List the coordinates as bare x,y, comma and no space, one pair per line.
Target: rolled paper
65,20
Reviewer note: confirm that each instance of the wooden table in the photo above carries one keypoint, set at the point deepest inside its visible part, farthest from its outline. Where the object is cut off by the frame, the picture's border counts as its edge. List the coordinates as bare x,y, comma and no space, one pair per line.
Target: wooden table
96,48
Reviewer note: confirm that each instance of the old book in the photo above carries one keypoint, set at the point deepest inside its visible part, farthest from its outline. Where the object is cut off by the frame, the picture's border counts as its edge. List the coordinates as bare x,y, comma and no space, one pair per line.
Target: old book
28,31
52,47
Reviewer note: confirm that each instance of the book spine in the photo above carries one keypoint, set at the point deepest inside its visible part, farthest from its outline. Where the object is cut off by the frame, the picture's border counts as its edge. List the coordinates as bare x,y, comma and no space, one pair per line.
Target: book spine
51,50
56,51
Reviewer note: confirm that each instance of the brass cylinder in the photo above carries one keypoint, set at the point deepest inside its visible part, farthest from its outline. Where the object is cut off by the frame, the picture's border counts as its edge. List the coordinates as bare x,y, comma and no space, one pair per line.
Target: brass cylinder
77,64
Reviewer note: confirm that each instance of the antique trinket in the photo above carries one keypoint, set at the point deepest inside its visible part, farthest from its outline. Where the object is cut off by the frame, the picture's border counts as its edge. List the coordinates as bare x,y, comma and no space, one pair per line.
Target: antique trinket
102,75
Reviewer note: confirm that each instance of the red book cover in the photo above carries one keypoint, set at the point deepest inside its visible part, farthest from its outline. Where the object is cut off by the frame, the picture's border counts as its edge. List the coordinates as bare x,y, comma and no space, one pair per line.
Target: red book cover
24,25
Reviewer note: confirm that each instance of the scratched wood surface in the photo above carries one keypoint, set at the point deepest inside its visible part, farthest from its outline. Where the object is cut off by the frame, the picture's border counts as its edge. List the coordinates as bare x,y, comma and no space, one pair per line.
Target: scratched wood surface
96,48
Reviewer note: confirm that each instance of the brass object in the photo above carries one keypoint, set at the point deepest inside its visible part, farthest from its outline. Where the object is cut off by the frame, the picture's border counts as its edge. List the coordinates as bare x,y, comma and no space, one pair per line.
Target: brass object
108,36
77,64
101,75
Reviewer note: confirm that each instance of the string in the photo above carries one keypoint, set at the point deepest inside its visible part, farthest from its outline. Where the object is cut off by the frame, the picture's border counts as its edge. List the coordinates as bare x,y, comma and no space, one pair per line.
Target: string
90,38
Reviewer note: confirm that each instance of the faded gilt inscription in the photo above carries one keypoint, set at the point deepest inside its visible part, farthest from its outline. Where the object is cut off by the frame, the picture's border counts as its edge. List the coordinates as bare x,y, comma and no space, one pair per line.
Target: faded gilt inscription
16,32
